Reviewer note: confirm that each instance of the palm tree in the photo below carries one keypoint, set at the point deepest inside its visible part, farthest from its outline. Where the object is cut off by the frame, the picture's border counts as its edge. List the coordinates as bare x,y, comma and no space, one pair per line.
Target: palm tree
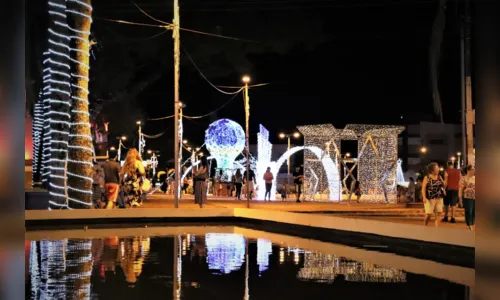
56,103
80,154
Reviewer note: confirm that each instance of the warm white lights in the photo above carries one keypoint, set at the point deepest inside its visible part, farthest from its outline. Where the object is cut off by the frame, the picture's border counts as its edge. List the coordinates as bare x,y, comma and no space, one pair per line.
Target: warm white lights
245,79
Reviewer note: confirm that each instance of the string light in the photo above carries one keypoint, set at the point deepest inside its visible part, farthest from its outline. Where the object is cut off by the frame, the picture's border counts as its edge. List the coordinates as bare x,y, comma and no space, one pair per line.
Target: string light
57,91
319,166
80,146
225,139
377,160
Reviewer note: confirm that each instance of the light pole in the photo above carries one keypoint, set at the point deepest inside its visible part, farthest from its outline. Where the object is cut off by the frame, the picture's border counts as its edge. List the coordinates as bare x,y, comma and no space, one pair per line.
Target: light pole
177,56
120,144
453,158
140,137
246,80
458,161
288,136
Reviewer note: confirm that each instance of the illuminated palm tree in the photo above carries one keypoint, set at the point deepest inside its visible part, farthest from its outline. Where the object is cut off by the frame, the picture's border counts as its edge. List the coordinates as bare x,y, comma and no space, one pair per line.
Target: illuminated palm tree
79,165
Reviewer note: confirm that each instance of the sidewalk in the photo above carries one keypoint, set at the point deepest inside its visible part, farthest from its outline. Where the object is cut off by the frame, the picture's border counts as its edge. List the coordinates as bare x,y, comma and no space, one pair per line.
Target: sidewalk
395,213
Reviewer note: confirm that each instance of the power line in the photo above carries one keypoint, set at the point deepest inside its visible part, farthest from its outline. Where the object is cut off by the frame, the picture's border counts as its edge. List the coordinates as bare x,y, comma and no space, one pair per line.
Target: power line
213,112
192,30
204,77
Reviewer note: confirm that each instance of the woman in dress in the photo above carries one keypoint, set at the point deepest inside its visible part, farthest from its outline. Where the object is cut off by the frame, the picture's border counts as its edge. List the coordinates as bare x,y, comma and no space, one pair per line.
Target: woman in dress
131,176
200,177
432,194
467,195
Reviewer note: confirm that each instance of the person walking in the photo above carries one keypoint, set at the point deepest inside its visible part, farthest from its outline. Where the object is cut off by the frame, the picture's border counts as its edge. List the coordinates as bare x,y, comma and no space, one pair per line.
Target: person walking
219,184
451,180
268,178
200,177
97,185
112,181
432,194
250,185
131,177
410,194
298,180
238,183
356,190
467,196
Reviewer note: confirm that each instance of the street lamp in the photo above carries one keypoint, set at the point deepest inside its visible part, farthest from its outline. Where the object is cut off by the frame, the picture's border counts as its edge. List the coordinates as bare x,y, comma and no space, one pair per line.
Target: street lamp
458,161
453,158
288,136
423,149
112,148
120,145
348,155
150,151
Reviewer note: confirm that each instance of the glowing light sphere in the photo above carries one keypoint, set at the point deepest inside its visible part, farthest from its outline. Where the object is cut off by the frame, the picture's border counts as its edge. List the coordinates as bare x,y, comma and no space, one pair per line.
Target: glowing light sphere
225,139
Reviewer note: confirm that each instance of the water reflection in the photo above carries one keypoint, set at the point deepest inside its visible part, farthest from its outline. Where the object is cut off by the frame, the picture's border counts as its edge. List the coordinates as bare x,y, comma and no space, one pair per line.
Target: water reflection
60,269
326,267
225,251
264,250
191,267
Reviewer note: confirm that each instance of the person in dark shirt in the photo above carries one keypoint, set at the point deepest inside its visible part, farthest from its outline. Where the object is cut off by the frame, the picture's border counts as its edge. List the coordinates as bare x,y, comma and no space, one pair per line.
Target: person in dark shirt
250,184
112,181
298,180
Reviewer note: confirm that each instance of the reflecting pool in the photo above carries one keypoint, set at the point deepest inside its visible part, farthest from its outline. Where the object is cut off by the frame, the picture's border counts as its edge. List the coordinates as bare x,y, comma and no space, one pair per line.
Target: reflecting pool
224,263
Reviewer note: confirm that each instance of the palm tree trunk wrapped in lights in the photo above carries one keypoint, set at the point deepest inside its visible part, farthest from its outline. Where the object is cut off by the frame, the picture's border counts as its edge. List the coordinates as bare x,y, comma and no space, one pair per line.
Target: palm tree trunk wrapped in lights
57,102
79,164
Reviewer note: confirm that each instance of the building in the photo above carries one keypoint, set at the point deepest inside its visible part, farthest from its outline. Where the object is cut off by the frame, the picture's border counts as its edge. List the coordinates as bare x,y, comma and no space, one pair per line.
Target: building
441,142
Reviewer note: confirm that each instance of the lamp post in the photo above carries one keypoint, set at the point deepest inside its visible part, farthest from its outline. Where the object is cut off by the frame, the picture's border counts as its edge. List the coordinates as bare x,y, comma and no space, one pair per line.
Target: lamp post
289,136
458,161
453,158
246,80
120,144
139,123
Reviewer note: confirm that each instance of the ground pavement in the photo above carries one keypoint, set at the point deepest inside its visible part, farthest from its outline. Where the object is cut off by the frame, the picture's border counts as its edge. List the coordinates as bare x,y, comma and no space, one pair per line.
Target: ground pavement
396,213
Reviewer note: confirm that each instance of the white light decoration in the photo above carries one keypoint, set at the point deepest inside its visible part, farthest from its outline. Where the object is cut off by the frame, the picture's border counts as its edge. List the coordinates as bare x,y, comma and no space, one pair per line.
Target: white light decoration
264,148
327,164
316,184
37,139
56,103
80,147
377,160
225,139
264,250
225,251
400,178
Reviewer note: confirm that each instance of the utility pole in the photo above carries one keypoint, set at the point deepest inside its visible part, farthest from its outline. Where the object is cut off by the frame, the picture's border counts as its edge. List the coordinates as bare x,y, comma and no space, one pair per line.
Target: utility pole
246,80
175,35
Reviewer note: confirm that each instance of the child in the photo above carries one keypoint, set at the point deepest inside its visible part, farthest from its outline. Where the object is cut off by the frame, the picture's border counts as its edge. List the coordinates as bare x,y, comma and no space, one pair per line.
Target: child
283,192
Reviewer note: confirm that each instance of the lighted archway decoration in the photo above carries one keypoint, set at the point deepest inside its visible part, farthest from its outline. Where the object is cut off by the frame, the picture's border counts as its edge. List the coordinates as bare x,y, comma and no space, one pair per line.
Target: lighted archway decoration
329,165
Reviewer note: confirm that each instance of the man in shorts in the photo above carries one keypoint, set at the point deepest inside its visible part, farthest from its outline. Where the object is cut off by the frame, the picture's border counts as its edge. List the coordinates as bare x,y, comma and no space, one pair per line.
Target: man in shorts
451,180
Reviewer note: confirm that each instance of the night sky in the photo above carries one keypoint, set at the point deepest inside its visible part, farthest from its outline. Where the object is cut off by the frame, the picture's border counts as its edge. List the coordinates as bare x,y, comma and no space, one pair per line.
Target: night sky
326,61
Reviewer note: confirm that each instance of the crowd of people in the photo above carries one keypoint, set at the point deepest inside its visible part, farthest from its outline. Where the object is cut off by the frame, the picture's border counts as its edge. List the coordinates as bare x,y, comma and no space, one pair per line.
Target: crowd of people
120,186
444,192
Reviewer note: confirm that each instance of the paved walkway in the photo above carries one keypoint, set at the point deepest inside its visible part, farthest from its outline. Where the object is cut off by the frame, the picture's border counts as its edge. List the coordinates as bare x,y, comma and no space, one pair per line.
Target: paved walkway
396,213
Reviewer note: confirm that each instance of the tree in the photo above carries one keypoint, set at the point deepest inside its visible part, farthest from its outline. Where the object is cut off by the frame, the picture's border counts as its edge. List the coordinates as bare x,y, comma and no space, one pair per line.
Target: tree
56,103
80,154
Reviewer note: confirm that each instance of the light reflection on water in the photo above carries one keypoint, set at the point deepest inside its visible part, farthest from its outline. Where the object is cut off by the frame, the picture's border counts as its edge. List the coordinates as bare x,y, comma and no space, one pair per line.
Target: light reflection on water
189,267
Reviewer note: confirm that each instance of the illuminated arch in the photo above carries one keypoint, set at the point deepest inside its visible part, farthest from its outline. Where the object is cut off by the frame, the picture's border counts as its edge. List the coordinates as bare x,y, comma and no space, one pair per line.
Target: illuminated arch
329,165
